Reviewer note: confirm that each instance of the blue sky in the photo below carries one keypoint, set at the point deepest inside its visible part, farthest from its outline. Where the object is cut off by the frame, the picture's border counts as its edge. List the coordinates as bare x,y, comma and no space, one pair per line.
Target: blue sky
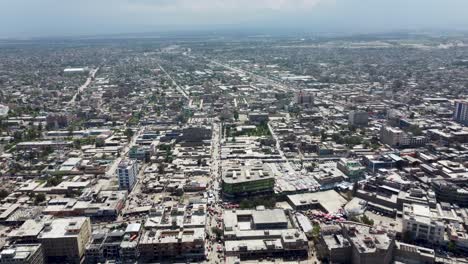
25,18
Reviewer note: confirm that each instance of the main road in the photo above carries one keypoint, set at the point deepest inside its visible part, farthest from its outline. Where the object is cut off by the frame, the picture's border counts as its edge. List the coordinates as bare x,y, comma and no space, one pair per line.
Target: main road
263,79
92,75
180,89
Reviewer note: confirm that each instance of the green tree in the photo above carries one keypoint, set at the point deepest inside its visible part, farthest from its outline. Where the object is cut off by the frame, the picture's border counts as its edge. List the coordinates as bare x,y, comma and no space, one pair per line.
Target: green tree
129,133
366,220
3,193
39,198
452,246
236,115
161,168
217,231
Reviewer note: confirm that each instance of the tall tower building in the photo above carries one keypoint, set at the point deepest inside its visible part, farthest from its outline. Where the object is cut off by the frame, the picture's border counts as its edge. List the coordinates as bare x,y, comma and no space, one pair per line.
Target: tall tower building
127,173
460,113
304,98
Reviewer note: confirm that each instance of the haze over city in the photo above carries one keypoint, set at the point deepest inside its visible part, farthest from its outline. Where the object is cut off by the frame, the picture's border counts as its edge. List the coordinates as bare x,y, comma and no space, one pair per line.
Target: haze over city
31,18
234,131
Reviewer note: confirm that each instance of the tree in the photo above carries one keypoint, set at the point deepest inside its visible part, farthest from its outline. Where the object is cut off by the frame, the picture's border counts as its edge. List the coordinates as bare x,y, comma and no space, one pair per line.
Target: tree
54,181
366,220
452,246
39,198
315,232
3,193
128,133
355,188
217,231
236,115
161,168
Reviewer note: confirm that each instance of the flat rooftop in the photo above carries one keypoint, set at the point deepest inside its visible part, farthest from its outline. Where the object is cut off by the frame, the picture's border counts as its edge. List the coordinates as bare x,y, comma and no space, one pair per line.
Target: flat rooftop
330,200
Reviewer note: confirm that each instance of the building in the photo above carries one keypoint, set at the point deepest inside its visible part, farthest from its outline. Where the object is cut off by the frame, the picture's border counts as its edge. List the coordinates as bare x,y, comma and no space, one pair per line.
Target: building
392,136
358,118
460,113
22,254
411,254
4,110
328,201
304,98
71,71
258,117
422,223
246,179
103,205
127,172
450,192
396,137
356,243
182,244
351,168
65,239
328,175
114,245
196,133
141,153
253,234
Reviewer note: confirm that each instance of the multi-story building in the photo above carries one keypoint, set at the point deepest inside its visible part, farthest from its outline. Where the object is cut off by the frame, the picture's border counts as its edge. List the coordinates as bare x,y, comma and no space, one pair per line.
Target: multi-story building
22,254
411,254
127,172
422,222
356,243
142,153
252,234
392,136
352,168
396,137
450,192
258,117
460,113
304,98
65,239
358,118
246,179
185,244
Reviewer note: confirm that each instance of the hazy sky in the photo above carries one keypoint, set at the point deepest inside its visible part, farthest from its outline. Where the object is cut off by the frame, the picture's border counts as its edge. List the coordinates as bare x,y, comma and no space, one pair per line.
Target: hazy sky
23,18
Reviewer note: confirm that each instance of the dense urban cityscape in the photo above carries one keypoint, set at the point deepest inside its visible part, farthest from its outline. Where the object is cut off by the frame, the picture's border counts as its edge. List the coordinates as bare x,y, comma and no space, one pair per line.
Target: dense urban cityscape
234,149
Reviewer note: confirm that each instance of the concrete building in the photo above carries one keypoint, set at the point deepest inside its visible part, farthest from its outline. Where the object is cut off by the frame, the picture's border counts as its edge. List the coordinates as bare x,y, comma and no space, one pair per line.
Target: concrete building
127,173
65,239
114,245
327,174
4,110
356,243
396,137
392,136
22,254
411,254
328,201
351,168
450,192
246,179
304,98
182,244
104,205
422,223
258,117
253,234
460,113
358,118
